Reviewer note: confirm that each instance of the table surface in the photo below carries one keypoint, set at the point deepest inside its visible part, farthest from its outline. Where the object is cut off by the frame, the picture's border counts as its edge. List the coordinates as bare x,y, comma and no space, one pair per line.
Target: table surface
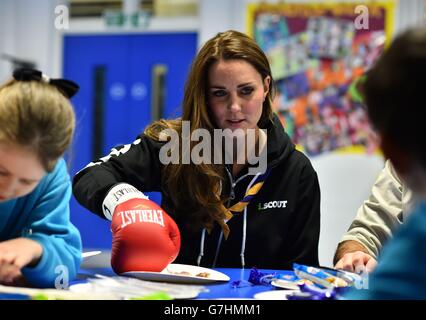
217,290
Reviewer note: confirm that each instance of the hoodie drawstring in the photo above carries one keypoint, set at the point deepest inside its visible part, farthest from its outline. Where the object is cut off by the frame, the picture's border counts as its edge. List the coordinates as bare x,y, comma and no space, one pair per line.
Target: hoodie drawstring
217,249
200,256
244,237
243,244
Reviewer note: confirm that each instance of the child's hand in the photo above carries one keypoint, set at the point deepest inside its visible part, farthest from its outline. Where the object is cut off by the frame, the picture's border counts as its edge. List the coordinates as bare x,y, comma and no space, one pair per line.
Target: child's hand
16,254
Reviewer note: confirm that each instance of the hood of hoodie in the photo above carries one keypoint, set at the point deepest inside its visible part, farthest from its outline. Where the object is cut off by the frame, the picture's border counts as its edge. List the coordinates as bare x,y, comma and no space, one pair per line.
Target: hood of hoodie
279,143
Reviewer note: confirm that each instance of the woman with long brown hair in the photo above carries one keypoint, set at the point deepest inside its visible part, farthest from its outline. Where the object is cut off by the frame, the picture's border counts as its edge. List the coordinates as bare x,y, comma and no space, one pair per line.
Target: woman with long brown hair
230,177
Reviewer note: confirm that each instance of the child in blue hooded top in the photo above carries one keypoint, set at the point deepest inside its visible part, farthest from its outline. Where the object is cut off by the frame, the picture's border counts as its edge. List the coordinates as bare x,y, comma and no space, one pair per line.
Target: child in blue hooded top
38,244
394,92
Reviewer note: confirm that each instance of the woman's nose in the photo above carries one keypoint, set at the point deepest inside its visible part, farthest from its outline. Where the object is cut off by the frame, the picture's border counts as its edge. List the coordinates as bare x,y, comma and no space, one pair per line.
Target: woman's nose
234,103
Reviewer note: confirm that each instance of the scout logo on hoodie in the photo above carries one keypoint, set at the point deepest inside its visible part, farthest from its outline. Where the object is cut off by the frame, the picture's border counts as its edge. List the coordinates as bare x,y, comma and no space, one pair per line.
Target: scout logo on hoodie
272,205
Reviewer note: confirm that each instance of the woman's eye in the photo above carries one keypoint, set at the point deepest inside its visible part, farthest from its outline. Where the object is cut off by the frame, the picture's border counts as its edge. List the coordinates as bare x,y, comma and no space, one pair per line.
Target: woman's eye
219,93
247,90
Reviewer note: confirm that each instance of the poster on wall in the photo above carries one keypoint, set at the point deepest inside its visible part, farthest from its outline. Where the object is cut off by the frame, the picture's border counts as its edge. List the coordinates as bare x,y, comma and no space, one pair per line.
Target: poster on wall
317,53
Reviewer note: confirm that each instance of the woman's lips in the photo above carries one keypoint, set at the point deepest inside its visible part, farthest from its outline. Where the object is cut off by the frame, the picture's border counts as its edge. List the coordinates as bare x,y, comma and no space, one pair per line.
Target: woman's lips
235,122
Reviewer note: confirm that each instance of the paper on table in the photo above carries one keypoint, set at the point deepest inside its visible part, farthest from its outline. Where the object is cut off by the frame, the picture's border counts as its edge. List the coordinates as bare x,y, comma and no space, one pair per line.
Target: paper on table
130,288
88,254
55,294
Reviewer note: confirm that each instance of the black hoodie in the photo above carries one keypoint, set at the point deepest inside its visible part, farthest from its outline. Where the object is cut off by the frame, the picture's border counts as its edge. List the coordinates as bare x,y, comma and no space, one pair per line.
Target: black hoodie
282,221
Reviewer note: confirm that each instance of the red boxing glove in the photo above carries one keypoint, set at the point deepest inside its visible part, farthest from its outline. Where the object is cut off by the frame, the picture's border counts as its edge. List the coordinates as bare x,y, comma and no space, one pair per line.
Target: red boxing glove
144,236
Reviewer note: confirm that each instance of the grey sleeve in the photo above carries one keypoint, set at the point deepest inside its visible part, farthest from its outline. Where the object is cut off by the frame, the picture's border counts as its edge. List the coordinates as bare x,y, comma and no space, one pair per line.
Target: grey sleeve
378,217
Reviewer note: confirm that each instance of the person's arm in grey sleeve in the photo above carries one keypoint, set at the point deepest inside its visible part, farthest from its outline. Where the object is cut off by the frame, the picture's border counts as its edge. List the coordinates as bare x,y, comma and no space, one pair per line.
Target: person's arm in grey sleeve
376,218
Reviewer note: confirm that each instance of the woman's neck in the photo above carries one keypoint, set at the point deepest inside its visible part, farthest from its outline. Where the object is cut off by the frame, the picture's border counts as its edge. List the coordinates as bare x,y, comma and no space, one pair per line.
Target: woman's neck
242,155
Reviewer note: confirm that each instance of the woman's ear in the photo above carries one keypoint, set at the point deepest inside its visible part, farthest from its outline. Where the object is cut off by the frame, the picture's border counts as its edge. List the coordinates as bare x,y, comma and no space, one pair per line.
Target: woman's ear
399,157
266,85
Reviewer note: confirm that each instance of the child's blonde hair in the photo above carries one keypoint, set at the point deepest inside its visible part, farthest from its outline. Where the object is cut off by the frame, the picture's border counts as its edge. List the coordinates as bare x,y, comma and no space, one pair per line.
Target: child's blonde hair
36,115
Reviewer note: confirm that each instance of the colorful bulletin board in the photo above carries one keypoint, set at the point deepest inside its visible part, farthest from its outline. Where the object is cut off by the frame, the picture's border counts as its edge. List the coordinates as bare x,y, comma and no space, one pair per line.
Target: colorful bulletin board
317,52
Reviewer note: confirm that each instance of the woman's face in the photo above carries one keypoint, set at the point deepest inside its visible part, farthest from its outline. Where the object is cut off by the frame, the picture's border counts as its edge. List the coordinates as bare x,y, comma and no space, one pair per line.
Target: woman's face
20,171
236,94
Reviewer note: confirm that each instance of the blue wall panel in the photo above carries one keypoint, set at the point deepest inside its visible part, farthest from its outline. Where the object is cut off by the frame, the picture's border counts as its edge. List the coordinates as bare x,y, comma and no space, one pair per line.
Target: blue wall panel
128,61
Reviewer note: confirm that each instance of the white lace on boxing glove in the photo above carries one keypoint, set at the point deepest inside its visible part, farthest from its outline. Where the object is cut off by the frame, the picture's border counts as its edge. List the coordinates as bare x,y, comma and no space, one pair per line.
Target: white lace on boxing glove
118,194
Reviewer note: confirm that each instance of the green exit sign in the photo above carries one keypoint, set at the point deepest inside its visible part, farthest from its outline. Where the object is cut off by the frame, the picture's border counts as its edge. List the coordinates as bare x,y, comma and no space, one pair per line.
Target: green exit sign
120,19
114,18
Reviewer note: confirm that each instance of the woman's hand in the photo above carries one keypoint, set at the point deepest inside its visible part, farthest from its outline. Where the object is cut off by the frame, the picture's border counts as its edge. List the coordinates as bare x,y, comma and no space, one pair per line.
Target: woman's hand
16,254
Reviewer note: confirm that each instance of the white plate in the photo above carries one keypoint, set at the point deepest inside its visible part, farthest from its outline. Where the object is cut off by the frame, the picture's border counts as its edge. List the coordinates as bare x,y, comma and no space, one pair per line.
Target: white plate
274,294
285,284
180,273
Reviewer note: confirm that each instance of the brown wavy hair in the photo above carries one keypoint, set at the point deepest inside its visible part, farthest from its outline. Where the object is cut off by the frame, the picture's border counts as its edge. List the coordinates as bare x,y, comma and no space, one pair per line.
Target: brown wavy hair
196,189
395,92
37,116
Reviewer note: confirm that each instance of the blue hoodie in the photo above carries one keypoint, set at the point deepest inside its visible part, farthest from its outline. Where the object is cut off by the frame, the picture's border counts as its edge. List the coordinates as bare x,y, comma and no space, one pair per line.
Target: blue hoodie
400,273
44,216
